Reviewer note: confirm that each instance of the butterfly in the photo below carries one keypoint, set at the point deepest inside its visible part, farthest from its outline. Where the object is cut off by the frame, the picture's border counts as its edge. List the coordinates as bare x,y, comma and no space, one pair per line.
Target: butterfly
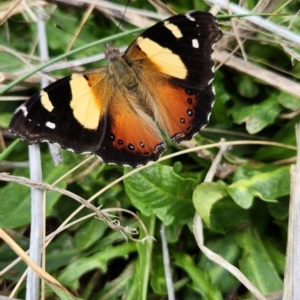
163,80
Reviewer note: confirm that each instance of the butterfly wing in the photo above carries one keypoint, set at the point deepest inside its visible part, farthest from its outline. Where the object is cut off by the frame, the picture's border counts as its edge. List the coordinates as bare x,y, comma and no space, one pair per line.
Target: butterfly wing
67,112
88,113
166,74
131,136
173,60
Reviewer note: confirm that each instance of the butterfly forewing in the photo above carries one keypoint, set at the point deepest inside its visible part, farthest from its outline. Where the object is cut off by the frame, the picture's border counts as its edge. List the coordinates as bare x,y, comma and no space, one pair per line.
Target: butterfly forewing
181,47
173,60
58,115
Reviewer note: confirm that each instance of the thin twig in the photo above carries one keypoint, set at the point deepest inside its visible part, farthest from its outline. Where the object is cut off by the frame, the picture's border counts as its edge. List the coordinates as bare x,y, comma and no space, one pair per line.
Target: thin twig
36,229
167,266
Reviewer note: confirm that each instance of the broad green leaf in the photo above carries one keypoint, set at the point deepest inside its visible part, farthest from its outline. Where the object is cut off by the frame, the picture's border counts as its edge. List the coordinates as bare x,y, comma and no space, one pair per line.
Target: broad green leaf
279,210
158,190
256,263
70,275
278,258
216,208
201,282
227,248
256,116
205,196
267,186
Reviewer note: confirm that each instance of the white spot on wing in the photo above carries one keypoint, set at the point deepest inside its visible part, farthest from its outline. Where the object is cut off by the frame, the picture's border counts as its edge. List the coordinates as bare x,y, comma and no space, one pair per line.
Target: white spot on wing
214,92
190,17
195,43
24,110
50,125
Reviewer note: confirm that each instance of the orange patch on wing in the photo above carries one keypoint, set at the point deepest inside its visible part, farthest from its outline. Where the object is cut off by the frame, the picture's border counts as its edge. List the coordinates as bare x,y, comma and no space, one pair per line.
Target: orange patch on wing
176,110
133,130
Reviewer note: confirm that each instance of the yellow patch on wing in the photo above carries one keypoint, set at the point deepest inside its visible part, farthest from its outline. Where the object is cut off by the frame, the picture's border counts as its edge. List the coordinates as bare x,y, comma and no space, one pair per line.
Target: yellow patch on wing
46,101
174,29
84,105
167,61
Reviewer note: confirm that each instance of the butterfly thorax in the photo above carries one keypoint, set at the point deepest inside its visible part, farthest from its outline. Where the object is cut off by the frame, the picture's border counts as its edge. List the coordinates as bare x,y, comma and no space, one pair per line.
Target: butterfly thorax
120,71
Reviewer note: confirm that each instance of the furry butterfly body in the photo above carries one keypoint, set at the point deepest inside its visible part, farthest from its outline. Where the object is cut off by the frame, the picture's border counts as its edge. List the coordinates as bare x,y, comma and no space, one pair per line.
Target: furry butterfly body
164,79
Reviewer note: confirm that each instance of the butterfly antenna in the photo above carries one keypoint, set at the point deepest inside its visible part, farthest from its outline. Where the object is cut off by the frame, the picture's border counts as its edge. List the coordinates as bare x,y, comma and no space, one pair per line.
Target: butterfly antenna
126,6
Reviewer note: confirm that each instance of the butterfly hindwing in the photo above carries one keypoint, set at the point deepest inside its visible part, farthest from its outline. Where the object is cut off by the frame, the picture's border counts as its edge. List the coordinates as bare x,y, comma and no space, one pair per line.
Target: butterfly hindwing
131,135
180,111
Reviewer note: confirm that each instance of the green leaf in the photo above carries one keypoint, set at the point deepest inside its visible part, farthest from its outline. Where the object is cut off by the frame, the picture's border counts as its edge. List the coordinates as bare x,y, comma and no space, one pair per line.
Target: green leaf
216,208
266,185
256,116
62,294
8,150
145,263
201,282
279,210
247,87
119,287
286,135
61,252
89,232
288,101
158,279
70,275
4,119
218,116
7,256
256,263
158,190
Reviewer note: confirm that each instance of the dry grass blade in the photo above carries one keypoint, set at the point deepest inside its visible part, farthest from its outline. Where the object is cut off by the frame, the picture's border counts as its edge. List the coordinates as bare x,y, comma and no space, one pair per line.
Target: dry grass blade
271,78
292,275
49,279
